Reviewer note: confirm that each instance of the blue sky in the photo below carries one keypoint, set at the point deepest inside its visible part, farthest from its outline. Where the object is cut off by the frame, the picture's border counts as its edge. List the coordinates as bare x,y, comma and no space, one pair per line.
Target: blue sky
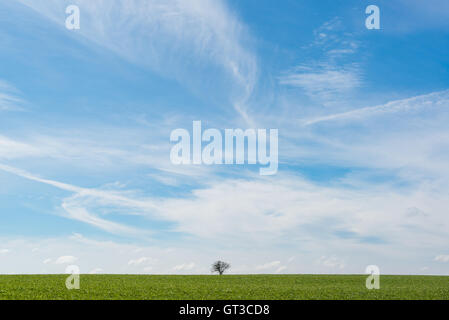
86,116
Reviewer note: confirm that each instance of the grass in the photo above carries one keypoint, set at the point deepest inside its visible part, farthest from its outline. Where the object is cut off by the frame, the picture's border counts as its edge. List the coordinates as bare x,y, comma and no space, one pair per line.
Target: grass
251,287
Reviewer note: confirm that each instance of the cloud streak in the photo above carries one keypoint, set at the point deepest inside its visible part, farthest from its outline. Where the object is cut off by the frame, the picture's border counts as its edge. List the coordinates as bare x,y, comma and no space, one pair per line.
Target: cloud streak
326,77
9,100
427,101
75,211
172,37
325,82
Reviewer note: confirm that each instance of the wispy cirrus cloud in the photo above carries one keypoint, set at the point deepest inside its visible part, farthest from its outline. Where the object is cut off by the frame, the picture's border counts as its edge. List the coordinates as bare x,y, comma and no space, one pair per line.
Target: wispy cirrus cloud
332,262
140,261
427,101
9,98
442,258
269,265
205,47
75,211
13,149
257,213
73,206
327,76
184,267
407,138
66,260
287,210
324,82
175,38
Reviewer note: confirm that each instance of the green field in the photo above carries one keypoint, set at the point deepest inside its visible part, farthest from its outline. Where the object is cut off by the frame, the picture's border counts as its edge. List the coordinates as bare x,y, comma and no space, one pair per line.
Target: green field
254,287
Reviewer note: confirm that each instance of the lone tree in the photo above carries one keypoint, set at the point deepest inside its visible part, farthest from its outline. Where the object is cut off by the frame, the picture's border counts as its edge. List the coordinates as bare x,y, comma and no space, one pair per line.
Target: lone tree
220,267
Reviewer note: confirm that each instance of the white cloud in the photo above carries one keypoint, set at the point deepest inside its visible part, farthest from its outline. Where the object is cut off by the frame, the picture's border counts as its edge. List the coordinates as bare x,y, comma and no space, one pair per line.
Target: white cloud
9,99
378,138
77,212
442,258
166,35
348,213
9,102
269,265
113,256
324,83
252,211
90,149
66,260
274,266
327,78
184,267
4,251
233,210
280,269
74,211
47,261
139,261
332,262
96,271
430,101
